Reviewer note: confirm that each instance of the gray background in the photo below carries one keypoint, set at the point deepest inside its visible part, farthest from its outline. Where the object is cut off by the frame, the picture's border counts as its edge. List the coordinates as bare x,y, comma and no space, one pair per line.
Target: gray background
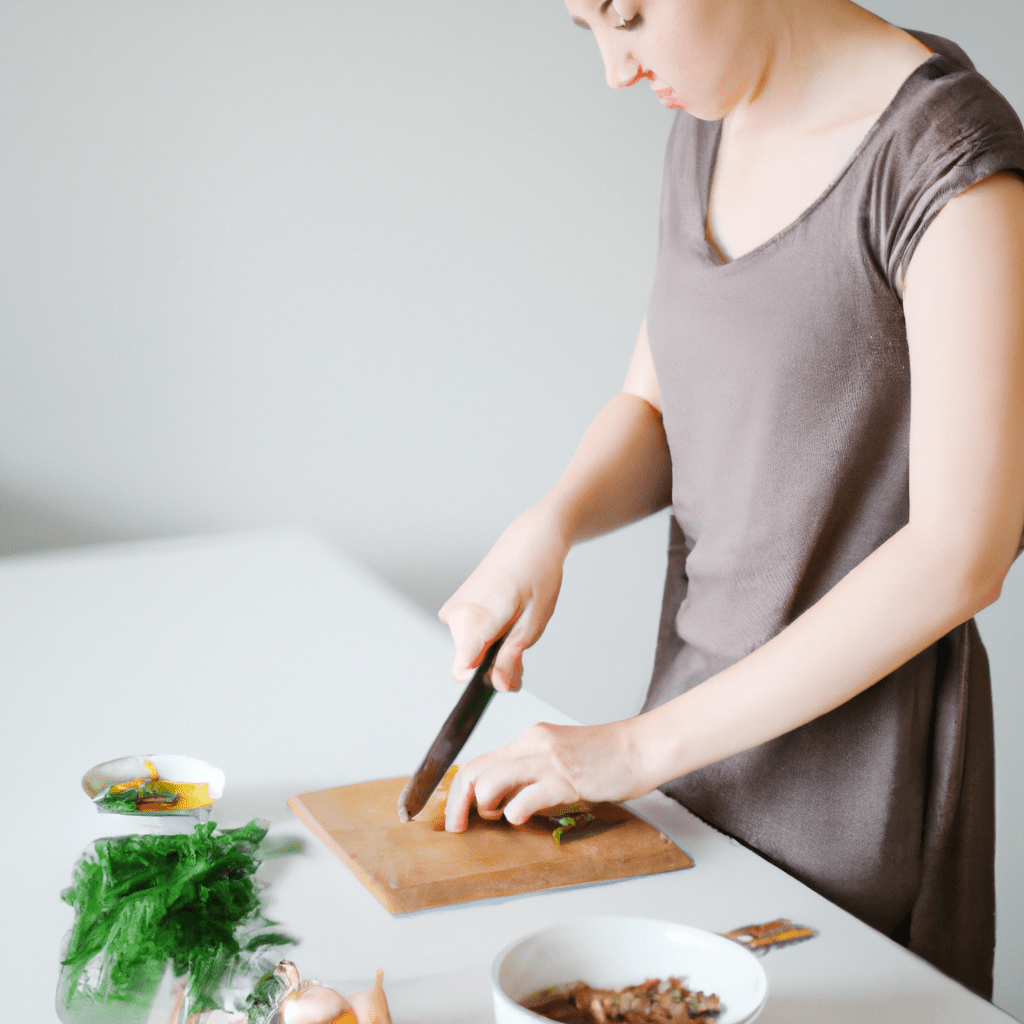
365,269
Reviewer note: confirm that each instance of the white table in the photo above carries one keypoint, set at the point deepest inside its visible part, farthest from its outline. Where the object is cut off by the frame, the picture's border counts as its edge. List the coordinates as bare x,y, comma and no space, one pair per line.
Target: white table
292,669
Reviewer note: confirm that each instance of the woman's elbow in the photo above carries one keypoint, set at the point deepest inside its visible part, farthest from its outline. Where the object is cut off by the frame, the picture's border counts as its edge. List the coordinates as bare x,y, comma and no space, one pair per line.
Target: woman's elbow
978,577
988,591
961,572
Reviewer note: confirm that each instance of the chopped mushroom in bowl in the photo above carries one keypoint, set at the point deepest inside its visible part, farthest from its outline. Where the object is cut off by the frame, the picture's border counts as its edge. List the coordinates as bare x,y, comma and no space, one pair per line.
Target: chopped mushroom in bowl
715,978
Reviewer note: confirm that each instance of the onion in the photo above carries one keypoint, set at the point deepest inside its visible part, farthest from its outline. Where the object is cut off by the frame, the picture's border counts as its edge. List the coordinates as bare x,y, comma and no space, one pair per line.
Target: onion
313,1003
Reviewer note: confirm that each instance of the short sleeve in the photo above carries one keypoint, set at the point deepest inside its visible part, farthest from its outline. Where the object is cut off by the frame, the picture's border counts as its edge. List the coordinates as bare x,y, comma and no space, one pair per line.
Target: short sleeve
957,131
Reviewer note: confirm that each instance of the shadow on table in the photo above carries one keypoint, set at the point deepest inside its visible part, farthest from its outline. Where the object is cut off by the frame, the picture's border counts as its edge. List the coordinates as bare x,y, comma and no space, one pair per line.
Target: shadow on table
456,997
904,1007
241,804
287,837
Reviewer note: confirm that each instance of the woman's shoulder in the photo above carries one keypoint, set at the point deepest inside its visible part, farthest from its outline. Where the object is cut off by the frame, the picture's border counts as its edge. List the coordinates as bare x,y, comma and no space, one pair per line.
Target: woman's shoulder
947,102
944,47
946,130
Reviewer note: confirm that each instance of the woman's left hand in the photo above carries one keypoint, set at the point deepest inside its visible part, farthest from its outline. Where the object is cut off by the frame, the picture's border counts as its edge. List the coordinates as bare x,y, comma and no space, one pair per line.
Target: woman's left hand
548,766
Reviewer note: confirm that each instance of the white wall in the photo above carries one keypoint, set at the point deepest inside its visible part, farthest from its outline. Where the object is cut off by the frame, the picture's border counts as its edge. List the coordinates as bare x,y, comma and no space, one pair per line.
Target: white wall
364,268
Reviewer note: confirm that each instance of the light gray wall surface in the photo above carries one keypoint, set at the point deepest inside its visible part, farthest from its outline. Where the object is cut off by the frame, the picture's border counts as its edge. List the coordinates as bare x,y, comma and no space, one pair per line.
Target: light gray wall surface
368,270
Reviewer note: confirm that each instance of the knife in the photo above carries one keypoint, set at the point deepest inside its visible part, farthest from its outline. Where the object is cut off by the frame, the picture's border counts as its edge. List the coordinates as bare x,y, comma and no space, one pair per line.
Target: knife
452,737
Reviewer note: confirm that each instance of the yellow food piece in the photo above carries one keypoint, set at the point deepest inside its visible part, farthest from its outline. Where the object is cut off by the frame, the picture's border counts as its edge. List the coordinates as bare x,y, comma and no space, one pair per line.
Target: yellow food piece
120,787
191,795
437,822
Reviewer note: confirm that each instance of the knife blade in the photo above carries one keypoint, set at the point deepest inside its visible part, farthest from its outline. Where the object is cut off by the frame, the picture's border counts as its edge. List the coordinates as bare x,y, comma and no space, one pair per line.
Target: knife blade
452,737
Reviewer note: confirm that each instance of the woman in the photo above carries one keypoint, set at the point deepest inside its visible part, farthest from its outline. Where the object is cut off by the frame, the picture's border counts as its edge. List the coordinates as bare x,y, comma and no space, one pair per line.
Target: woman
827,391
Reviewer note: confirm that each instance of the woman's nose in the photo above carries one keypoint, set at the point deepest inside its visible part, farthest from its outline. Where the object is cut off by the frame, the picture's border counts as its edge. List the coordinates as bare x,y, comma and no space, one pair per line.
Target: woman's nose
630,76
621,68
624,73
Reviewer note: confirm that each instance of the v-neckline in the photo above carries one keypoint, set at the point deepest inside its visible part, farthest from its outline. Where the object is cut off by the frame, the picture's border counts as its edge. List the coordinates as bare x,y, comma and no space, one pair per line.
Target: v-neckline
712,251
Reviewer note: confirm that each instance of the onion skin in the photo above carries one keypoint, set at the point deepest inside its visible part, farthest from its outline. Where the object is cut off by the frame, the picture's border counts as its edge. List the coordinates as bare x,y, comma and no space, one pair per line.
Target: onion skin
312,1003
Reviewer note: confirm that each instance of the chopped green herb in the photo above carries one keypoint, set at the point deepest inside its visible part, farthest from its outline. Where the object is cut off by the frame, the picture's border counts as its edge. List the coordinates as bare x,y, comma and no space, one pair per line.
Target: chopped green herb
191,900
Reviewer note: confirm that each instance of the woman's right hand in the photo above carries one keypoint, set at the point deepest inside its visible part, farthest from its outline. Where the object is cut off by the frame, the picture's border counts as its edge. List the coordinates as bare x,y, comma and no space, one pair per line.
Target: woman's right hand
516,585
621,472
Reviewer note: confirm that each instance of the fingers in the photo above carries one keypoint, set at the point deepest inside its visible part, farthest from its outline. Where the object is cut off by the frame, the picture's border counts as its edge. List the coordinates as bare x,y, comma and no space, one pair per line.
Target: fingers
467,790
474,628
460,802
546,792
507,673
475,784
515,781
464,794
516,585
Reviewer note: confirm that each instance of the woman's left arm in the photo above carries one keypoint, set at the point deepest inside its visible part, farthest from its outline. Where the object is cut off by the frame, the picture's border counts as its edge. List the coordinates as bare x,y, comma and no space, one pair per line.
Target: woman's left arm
964,307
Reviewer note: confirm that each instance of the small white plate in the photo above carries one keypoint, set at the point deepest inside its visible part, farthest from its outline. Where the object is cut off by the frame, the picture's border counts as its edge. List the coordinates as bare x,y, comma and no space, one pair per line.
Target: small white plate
614,952
174,767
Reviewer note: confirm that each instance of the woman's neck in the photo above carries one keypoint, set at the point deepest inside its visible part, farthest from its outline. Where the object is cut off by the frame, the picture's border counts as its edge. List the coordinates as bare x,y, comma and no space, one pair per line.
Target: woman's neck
808,64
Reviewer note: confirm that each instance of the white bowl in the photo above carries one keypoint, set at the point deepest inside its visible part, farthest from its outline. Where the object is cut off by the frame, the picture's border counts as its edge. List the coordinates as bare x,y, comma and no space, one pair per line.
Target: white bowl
613,952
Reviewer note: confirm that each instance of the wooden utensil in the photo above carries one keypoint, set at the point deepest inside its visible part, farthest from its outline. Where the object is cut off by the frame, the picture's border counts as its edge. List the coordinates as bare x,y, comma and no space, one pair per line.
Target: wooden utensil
414,866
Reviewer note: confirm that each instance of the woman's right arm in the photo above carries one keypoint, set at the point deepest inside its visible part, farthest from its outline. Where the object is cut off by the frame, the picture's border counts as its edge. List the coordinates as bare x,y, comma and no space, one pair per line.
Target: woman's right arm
621,472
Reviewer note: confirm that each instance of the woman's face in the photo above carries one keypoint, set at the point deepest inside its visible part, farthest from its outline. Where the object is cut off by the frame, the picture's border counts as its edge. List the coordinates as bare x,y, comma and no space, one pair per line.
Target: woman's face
695,54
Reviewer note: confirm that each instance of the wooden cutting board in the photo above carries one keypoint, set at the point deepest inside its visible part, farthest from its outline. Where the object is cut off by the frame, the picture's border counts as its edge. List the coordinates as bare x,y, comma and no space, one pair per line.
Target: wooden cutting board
416,865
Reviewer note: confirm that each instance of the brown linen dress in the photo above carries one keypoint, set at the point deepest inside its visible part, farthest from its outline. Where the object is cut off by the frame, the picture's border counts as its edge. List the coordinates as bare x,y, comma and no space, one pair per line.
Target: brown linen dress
785,381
